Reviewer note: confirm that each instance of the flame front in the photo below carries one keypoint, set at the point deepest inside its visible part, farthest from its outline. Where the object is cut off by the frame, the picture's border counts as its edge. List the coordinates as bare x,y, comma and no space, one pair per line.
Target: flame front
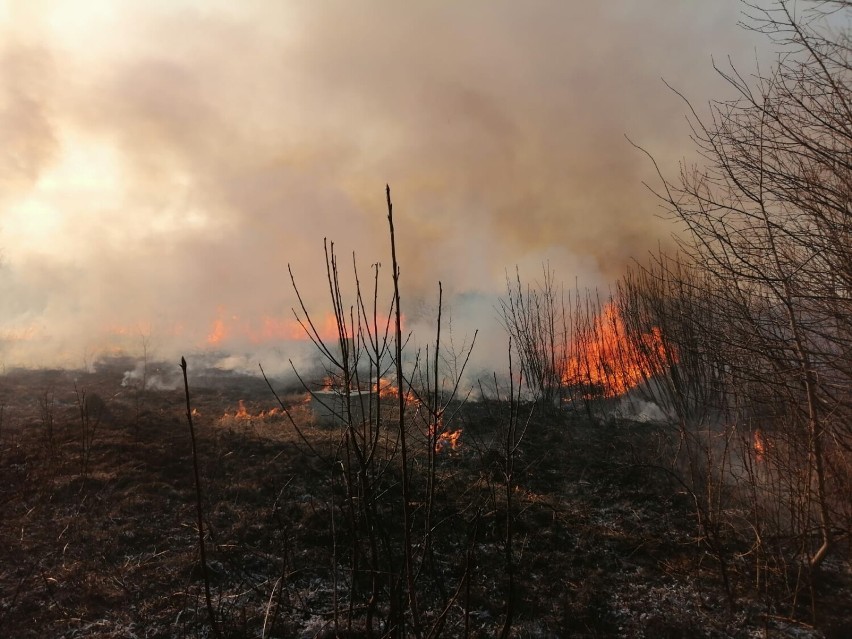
607,361
243,414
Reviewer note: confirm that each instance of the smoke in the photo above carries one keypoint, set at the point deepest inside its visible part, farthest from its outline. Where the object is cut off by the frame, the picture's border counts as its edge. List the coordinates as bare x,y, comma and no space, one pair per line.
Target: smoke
162,163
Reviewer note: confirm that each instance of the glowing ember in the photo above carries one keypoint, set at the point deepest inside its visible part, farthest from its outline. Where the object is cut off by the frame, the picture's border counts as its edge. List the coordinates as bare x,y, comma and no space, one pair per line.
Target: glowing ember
759,446
608,362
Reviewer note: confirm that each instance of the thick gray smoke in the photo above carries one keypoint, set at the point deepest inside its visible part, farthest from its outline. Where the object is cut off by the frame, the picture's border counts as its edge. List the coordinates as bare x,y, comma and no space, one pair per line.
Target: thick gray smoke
162,162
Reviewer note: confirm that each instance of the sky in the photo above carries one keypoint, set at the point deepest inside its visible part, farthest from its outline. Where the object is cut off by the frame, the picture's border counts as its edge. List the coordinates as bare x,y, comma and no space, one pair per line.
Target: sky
162,162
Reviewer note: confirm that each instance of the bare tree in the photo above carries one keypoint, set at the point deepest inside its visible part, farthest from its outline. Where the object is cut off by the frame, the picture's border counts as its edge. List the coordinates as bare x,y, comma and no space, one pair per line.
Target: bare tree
767,215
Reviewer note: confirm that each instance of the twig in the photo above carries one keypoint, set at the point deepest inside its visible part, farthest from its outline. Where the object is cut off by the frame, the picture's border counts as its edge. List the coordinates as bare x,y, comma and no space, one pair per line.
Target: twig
201,549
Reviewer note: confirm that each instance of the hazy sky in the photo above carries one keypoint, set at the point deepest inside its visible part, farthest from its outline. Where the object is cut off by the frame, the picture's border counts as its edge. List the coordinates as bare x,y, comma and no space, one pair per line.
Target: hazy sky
161,162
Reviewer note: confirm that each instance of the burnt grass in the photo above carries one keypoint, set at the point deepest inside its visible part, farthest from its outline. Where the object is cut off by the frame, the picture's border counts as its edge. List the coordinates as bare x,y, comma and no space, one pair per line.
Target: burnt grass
604,544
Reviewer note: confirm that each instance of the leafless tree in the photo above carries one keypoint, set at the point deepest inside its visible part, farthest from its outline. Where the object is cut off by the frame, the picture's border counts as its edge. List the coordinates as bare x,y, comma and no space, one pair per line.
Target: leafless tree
768,236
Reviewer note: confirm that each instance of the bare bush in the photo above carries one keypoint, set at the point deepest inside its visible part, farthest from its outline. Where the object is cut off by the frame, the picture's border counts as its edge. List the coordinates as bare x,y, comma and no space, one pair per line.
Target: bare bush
390,414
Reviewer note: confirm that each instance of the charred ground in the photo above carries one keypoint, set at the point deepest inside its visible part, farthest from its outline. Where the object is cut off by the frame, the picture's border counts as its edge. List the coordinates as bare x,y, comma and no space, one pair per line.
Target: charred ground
604,543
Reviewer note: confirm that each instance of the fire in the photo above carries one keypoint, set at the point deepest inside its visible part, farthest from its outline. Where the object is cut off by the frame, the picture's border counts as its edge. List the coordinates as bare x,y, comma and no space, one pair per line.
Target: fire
609,362
270,328
276,328
448,438
242,413
759,446
382,387
387,390
217,333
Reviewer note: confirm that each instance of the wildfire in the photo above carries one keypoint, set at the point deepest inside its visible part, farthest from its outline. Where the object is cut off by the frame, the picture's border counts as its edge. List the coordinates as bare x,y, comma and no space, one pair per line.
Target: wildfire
270,328
384,388
387,390
243,414
448,439
607,361
218,332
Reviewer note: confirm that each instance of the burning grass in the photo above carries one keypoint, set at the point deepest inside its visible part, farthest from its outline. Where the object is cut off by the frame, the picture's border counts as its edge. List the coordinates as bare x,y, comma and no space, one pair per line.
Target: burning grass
607,360
603,544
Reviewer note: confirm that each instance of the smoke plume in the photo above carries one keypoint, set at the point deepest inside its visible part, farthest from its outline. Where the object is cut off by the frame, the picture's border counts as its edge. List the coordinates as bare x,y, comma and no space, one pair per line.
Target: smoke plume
163,162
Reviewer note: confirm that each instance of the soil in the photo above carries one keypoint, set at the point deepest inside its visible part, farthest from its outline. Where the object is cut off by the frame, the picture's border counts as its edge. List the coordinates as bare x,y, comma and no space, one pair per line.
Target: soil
101,540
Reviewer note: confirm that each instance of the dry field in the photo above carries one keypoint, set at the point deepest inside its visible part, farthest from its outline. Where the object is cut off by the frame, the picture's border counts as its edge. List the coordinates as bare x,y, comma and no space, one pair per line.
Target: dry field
603,545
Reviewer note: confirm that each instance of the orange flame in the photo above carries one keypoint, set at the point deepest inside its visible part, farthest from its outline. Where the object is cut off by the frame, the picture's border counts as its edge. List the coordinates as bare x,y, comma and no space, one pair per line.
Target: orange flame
759,446
448,438
217,333
243,414
387,390
270,328
609,362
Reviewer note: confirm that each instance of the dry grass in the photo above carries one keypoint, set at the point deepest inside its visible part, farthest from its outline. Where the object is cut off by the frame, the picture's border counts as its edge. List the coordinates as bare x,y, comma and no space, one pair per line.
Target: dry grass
604,547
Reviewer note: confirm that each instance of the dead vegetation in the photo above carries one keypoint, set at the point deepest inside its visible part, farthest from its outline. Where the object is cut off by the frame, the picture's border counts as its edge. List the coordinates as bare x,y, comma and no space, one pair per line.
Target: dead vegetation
605,544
